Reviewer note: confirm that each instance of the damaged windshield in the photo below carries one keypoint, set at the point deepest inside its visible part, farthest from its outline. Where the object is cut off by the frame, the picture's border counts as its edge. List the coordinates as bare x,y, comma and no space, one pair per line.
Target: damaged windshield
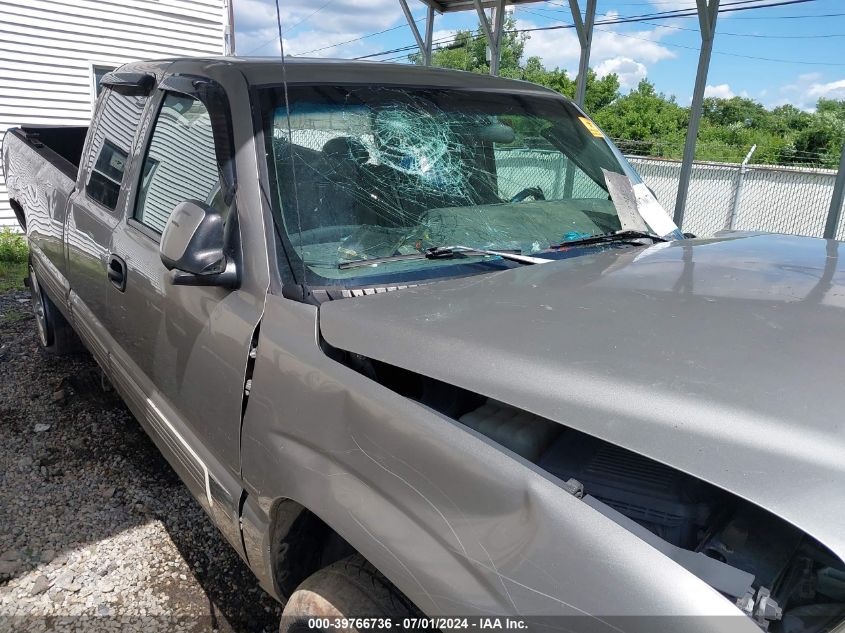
373,173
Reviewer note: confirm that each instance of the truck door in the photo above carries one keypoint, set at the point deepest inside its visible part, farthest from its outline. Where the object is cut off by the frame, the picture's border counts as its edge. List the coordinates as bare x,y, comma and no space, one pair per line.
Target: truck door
93,213
181,351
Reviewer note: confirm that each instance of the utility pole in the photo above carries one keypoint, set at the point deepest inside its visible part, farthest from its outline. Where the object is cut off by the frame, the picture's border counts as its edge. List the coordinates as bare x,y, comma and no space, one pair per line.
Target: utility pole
708,12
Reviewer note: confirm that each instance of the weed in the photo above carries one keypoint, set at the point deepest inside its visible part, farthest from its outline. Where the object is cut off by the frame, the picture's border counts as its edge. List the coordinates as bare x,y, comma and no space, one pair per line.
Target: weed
13,247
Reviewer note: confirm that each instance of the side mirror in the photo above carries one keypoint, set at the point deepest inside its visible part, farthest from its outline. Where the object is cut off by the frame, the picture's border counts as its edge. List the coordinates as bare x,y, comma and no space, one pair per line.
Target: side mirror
192,245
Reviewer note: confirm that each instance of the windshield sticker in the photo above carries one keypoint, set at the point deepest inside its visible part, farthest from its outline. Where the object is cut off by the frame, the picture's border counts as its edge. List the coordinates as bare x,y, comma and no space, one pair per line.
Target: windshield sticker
592,128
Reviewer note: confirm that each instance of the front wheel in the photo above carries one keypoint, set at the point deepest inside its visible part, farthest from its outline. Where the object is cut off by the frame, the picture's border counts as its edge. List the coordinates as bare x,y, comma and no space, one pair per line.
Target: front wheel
349,589
54,332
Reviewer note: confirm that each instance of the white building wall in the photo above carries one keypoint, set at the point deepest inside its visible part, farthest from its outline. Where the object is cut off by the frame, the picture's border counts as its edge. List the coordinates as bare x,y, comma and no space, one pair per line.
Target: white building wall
51,47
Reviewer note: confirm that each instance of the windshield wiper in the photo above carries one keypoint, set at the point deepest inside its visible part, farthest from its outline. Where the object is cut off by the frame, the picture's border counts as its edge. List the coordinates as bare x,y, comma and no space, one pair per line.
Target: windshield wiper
444,252
616,236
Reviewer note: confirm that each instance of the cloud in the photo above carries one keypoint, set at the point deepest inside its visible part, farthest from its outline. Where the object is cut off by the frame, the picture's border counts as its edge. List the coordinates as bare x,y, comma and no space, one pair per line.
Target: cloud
561,48
807,89
442,37
628,70
673,5
720,91
308,25
829,90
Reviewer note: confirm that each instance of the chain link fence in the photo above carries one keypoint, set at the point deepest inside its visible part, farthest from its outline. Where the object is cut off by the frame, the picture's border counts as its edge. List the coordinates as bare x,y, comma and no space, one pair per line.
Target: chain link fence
721,196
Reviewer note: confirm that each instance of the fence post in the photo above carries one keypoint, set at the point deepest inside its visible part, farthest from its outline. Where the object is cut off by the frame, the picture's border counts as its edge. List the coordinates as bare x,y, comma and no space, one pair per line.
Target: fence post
743,169
836,201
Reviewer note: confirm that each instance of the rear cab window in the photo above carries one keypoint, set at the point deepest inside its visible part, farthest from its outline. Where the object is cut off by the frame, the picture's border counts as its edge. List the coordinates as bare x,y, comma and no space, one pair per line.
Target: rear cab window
111,145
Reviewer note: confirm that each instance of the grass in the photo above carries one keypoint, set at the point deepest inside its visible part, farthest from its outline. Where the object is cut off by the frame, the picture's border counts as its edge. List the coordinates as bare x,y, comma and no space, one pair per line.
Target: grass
14,255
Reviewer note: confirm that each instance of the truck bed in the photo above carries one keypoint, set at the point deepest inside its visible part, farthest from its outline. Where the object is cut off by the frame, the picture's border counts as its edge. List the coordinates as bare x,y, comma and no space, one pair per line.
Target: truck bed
62,146
39,163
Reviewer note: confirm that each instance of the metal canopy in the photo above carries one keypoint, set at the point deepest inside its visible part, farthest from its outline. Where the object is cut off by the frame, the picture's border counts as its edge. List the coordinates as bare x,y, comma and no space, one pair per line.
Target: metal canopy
493,29
447,6
708,12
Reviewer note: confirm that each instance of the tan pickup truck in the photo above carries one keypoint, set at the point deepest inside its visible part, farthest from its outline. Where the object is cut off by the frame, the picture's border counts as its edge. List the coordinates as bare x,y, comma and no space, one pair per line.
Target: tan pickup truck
425,348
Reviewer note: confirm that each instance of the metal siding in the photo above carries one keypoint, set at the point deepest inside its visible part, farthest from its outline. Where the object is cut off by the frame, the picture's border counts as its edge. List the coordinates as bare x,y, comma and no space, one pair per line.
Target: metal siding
51,45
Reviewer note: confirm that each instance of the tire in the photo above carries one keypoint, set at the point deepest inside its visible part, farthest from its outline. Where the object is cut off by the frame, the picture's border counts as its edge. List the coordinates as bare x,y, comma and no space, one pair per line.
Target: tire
55,334
349,588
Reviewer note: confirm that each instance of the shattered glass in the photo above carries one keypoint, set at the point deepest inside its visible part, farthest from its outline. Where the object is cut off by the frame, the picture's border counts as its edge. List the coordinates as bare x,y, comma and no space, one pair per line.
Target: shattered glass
368,172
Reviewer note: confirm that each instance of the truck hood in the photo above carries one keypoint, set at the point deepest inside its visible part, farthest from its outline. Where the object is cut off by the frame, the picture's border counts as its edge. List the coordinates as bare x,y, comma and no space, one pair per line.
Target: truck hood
723,358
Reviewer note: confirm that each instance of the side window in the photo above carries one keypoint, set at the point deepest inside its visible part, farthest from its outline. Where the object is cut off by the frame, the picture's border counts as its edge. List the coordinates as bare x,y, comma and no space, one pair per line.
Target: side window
110,146
180,163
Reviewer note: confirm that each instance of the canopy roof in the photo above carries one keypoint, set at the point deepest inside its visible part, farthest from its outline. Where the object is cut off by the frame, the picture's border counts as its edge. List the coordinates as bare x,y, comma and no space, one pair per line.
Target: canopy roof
447,6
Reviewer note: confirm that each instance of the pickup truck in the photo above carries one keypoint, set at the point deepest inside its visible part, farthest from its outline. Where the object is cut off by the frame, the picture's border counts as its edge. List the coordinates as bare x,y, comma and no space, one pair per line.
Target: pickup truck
426,349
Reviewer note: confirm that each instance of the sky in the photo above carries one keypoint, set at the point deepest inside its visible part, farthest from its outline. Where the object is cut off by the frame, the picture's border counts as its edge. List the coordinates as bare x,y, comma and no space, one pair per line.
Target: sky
773,54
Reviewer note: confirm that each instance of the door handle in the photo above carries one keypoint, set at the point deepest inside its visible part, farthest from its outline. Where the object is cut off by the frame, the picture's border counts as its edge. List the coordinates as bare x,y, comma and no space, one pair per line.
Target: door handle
117,272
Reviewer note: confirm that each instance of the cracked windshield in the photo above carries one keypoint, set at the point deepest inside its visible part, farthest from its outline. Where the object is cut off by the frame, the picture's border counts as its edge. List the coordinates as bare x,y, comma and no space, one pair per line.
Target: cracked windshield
368,181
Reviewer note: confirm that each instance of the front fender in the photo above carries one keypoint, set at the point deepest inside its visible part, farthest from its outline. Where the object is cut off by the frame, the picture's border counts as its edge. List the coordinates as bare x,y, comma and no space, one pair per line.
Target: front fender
459,524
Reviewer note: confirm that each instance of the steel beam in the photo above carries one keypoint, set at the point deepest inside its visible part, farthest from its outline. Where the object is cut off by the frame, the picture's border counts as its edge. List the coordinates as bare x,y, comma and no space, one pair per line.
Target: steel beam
708,12
584,29
498,25
429,35
492,32
414,30
835,212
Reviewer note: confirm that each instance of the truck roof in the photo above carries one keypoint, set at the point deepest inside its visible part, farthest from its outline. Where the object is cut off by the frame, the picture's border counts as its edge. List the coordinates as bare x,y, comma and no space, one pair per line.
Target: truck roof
268,70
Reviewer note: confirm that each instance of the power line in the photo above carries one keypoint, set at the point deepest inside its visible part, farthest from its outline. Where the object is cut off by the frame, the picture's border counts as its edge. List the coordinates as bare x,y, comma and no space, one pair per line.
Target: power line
739,5
309,16
663,15
473,38
687,13
792,17
721,33
292,27
363,37
357,39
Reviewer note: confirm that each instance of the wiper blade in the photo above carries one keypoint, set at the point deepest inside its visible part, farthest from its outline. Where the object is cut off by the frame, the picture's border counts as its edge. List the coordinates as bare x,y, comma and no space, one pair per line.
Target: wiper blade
616,236
444,252
437,252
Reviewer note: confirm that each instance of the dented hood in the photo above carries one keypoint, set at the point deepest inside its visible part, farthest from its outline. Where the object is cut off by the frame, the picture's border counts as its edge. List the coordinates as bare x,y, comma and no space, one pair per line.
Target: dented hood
724,358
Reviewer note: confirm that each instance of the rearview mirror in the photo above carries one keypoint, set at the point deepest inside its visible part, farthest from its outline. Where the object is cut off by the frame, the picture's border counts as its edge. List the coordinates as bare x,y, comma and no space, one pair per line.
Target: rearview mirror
497,133
192,245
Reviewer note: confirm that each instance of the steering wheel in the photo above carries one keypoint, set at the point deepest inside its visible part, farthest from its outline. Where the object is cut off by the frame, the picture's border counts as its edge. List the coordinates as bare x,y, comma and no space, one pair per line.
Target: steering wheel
529,192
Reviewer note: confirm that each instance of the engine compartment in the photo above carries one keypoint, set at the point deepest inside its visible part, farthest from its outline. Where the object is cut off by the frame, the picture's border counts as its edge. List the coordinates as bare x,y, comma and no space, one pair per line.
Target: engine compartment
782,578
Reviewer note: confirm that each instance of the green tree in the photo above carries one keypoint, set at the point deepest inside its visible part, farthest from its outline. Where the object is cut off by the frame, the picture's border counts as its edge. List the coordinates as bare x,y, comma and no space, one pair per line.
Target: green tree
556,79
646,118
645,121
787,118
600,92
468,51
821,141
748,112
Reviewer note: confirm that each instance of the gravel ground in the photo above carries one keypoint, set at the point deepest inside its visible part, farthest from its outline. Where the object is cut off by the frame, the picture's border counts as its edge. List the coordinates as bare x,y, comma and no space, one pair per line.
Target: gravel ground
97,532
